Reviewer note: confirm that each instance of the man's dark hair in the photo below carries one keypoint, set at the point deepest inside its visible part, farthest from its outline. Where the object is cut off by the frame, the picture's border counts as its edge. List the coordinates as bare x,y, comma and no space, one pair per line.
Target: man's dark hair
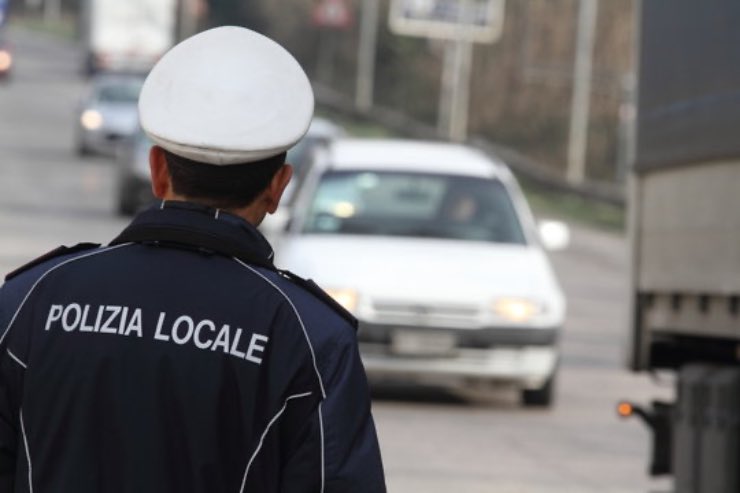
222,187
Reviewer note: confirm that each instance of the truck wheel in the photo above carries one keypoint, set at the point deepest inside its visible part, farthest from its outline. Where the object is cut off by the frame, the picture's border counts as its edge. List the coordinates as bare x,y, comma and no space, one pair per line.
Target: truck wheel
542,397
83,151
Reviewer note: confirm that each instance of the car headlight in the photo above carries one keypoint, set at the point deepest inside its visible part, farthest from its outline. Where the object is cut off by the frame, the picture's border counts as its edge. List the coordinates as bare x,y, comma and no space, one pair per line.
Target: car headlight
6,60
517,310
345,297
91,119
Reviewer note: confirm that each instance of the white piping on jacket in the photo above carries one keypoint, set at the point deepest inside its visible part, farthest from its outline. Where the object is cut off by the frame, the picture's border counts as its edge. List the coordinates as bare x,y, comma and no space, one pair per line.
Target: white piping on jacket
300,320
17,359
28,452
264,434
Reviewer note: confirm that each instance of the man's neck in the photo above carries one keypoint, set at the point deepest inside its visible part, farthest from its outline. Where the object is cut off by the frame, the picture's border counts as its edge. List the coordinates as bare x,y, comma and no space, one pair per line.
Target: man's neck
252,213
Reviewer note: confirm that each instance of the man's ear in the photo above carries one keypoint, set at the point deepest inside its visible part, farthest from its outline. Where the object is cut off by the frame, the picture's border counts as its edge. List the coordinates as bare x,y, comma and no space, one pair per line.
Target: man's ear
160,173
277,186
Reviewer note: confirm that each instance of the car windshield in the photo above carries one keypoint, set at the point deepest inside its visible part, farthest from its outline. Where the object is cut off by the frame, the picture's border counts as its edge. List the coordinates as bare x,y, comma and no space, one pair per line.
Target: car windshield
414,205
119,93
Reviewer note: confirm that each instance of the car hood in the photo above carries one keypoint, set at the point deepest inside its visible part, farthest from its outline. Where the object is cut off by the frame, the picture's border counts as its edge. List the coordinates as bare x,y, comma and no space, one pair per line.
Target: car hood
423,270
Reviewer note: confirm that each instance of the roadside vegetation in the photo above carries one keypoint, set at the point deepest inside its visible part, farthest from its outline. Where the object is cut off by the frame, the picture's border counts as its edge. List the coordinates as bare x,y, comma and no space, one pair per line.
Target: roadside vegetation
64,28
570,207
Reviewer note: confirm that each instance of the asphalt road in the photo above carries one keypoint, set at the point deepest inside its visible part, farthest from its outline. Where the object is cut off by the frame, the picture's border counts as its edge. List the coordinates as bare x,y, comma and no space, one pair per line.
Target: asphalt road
431,442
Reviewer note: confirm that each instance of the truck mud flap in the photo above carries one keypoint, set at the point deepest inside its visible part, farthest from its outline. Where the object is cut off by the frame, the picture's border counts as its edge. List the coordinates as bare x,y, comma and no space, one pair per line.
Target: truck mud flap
720,440
705,430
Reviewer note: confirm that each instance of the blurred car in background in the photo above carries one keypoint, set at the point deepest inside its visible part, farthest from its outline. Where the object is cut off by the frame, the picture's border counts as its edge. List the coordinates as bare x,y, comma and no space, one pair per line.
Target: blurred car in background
133,181
433,248
320,133
108,114
6,59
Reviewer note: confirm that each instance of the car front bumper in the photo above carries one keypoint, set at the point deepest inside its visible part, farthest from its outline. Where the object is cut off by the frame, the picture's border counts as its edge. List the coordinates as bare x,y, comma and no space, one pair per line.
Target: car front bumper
521,356
103,141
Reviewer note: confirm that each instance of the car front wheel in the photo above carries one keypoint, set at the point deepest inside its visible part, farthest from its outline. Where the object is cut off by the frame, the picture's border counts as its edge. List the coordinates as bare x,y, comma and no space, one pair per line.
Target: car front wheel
542,397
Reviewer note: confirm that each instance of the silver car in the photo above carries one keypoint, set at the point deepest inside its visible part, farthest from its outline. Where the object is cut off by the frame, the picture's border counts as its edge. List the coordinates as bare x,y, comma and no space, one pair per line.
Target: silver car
108,114
133,182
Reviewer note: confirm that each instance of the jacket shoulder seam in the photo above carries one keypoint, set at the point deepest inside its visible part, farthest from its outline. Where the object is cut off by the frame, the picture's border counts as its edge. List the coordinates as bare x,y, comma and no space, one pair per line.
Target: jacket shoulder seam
298,316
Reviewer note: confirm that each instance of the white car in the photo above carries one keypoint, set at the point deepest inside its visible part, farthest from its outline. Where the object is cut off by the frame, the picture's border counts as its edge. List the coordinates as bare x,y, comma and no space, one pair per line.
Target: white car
433,248
108,115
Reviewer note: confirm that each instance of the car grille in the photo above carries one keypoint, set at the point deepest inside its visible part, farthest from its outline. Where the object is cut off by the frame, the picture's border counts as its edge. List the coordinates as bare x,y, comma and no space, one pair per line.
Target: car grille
419,314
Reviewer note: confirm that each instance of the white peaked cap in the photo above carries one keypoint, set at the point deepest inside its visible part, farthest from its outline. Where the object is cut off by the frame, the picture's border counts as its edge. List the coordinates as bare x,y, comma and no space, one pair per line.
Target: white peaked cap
226,96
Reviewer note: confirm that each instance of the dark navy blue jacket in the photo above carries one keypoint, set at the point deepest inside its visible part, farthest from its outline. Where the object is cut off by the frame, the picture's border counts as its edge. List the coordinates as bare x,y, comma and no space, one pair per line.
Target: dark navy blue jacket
157,367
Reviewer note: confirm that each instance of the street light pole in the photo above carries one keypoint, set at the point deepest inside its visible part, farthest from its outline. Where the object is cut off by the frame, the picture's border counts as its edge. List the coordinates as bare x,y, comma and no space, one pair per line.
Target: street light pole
366,55
454,102
448,76
580,104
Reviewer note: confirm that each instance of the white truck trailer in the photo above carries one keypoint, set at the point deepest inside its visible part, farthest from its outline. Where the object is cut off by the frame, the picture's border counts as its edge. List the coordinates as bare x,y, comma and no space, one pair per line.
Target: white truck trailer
126,35
685,234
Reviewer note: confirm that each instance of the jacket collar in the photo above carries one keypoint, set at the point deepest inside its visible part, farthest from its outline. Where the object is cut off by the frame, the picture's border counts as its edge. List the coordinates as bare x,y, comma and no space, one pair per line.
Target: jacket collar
205,221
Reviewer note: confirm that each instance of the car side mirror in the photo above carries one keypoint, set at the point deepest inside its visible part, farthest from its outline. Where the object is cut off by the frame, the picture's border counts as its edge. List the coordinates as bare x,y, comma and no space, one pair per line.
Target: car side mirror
554,235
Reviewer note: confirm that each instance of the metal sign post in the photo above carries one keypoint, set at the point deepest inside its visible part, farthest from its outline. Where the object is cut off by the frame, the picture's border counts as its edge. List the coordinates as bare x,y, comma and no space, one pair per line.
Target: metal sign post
461,23
459,99
580,104
366,55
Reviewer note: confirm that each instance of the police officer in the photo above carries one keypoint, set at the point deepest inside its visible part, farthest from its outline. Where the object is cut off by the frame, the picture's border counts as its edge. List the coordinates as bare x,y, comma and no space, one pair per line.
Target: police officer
179,358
